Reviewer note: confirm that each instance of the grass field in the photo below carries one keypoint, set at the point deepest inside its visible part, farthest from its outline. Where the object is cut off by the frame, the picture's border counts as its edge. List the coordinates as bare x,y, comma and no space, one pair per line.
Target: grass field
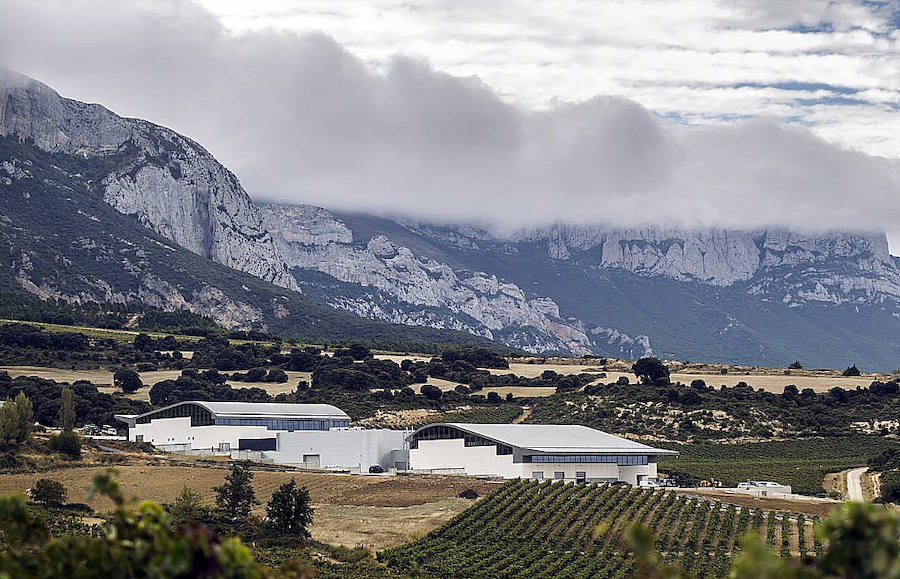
376,512
771,382
103,379
120,335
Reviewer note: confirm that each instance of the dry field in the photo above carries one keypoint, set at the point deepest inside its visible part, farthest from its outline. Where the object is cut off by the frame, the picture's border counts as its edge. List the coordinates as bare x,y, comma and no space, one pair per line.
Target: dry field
397,358
776,383
821,508
535,370
350,510
103,378
520,391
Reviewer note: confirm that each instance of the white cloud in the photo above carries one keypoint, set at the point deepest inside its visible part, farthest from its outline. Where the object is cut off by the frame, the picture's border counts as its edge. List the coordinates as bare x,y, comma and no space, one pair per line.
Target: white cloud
304,118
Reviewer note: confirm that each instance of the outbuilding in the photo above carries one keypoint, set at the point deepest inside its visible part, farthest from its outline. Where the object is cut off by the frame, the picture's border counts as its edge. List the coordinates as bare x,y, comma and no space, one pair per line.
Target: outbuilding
537,451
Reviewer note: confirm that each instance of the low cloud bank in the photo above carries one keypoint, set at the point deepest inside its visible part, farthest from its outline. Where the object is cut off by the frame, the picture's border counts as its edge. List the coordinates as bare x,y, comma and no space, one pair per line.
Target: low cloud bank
302,120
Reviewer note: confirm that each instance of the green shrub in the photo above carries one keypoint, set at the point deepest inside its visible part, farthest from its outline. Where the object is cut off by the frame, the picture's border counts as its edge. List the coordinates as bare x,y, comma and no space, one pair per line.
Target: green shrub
49,493
67,443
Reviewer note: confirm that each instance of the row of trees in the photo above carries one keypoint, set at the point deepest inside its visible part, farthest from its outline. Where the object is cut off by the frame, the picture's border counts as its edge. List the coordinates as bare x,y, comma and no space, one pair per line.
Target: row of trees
288,511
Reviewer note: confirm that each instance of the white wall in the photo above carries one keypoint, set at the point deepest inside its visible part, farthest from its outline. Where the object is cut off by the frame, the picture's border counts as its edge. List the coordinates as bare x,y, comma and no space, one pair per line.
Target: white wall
453,453
484,461
170,431
344,448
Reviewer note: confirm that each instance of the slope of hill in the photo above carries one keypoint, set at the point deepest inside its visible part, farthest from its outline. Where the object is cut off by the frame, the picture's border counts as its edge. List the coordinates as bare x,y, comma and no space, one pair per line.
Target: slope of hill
59,239
757,297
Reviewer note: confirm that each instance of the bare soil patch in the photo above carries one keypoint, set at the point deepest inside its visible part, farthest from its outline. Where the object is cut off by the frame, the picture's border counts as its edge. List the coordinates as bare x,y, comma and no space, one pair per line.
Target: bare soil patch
404,491
810,507
380,527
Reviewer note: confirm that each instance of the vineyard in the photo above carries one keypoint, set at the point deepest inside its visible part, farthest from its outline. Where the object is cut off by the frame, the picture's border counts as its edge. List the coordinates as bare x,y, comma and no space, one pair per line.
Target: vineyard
801,463
546,529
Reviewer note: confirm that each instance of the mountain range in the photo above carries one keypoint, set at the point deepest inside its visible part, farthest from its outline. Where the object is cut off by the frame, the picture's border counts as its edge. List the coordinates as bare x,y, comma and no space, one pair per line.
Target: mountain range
104,208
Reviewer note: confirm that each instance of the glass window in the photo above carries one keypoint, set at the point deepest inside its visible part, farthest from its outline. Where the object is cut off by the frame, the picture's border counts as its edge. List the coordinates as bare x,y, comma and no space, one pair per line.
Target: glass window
559,475
539,474
621,460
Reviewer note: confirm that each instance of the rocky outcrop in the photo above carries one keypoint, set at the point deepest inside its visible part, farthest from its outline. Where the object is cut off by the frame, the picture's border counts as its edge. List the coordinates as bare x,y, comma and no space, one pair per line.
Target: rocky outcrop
167,181
404,287
790,266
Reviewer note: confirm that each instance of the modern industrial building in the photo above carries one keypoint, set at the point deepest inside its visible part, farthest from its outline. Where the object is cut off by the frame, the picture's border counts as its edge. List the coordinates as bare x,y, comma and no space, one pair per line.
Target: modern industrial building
537,451
312,435
319,436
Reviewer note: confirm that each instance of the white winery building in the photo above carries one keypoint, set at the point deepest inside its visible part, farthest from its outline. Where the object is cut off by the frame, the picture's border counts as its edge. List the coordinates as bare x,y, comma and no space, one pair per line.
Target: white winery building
537,451
311,435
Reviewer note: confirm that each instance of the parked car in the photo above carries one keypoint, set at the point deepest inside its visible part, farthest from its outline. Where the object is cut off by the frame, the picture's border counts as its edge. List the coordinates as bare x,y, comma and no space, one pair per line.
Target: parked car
375,469
110,430
90,430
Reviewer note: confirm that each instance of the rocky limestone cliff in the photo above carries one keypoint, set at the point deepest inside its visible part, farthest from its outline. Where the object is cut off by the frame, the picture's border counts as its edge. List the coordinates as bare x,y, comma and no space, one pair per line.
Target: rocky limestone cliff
790,266
167,181
416,289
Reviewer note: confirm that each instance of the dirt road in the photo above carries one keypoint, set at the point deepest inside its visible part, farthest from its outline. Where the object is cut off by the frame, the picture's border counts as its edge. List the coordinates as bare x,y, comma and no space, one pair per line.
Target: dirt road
854,487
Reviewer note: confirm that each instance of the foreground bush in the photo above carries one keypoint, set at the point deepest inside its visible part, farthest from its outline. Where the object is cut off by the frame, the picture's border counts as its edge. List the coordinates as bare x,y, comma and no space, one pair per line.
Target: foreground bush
135,543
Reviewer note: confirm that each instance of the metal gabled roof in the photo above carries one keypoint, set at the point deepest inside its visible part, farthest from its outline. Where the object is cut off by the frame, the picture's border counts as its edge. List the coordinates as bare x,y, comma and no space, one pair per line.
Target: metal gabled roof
560,438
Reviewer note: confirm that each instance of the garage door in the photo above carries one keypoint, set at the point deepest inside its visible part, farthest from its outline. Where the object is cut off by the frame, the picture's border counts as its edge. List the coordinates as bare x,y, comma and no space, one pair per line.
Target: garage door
311,460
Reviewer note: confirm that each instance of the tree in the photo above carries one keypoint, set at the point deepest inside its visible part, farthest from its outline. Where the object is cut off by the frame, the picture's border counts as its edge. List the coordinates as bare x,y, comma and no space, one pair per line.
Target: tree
651,371
66,409
24,418
128,380
144,343
289,511
49,493
852,371
795,365
235,497
67,443
187,507
431,392
9,424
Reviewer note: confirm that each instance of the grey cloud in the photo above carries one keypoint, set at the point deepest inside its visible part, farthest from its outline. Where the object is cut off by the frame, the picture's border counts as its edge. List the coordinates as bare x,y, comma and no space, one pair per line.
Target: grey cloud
301,119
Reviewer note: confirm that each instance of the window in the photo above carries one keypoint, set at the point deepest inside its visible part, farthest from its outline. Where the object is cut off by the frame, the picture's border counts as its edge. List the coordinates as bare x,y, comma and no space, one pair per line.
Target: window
621,460
440,432
199,415
538,474
559,475
580,476
289,424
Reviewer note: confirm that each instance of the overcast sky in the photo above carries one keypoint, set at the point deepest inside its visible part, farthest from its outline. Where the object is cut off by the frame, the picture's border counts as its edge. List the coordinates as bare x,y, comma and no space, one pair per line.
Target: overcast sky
730,113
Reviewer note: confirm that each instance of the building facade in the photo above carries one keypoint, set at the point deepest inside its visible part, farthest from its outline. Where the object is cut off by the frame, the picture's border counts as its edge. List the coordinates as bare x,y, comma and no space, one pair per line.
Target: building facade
537,451
310,435
225,426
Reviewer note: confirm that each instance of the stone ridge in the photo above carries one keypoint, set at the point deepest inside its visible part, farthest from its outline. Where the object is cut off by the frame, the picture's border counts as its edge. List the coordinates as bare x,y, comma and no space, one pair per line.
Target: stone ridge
415,289
167,181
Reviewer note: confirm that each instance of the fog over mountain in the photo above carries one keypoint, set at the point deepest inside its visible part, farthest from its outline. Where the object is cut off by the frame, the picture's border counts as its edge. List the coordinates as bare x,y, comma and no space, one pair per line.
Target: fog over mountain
301,119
